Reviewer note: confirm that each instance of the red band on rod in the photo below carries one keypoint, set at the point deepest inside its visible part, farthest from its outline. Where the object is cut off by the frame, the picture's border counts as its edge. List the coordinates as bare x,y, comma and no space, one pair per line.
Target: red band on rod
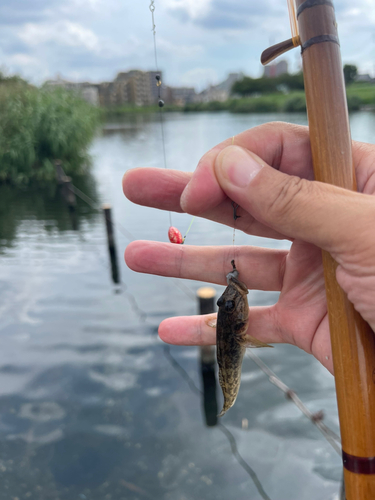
358,465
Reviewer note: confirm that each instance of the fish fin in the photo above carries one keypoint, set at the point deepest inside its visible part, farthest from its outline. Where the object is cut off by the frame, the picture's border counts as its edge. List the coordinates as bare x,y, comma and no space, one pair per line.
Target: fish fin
252,342
245,340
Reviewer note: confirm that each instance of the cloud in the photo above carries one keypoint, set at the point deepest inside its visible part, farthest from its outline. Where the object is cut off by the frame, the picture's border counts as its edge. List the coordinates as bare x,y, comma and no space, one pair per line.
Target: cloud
224,14
24,65
191,9
199,41
62,33
17,12
199,78
184,50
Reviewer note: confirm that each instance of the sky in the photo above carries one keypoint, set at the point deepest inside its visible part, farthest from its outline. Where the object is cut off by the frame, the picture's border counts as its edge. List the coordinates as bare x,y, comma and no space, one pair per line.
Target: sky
198,41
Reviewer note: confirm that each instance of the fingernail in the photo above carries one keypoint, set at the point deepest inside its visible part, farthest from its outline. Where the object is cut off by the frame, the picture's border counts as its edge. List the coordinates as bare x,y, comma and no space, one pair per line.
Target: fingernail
239,166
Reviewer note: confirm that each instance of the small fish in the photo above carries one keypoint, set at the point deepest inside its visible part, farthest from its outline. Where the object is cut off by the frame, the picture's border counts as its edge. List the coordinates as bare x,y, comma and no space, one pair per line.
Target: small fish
231,338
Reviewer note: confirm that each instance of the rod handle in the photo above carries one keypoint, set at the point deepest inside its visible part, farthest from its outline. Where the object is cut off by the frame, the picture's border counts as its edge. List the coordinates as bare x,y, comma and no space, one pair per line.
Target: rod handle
274,51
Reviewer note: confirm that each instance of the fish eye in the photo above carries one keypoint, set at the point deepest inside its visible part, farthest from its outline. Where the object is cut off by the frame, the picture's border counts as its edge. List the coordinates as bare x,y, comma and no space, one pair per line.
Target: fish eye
229,305
220,302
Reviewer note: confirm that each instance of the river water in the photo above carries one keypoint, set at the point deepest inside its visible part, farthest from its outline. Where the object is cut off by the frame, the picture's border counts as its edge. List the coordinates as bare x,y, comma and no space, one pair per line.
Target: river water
92,405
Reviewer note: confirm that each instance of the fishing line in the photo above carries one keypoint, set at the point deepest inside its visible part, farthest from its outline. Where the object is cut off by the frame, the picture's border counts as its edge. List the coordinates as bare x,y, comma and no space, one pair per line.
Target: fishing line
315,418
143,316
234,224
158,85
191,223
232,440
173,233
242,462
128,235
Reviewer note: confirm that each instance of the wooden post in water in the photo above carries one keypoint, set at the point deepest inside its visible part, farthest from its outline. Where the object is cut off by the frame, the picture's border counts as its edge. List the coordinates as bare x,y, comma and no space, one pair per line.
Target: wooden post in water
107,210
67,192
206,298
59,171
353,341
66,184
66,189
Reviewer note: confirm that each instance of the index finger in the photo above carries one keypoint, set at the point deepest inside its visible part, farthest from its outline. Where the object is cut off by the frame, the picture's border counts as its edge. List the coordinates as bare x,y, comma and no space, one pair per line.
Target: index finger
284,146
162,189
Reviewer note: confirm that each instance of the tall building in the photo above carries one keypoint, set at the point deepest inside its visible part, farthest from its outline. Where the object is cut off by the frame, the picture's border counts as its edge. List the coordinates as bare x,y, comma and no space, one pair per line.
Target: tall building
113,93
133,87
142,89
180,95
276,69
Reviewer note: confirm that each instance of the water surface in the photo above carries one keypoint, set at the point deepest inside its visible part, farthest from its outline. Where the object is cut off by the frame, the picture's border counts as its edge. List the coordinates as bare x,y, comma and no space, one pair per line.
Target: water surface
91,406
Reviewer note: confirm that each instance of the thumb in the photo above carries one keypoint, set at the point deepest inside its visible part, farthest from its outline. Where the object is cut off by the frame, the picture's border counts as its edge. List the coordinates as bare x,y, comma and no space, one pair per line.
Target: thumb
322,214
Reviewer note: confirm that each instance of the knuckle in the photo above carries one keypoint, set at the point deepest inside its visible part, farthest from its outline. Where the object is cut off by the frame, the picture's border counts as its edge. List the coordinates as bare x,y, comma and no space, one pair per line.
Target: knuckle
179,263
287,196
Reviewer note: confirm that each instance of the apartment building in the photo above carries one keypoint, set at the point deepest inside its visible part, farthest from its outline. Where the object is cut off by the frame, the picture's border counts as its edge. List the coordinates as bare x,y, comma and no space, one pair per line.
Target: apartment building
133,87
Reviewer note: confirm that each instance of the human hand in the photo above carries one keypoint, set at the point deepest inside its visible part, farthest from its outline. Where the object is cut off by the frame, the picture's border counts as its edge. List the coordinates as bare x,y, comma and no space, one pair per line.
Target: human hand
278,199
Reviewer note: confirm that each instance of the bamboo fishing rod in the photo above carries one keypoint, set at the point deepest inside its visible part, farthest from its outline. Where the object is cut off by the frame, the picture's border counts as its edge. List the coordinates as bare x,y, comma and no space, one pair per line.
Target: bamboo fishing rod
314,28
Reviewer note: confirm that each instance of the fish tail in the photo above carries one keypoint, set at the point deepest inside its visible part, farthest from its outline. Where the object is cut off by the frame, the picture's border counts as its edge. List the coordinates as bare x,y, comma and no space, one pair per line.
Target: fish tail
228,403
230,378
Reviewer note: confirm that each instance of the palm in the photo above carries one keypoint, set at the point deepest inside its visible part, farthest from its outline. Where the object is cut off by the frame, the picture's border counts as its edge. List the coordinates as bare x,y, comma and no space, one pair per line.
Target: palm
302,307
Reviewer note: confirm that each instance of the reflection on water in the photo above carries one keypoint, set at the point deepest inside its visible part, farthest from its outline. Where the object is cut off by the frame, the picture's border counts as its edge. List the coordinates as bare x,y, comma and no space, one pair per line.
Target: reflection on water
90,405
43,205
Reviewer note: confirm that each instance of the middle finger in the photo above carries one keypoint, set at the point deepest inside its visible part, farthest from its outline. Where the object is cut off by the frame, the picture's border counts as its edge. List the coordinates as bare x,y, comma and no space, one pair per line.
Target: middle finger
259,268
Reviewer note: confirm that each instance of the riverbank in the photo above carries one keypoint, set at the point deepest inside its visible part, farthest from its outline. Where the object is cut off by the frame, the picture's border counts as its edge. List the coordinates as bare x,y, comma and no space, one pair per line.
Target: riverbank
360,96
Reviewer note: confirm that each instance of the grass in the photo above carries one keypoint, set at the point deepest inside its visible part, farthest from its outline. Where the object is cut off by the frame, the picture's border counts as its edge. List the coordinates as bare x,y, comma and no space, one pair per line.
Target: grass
275,102
40,125
363,91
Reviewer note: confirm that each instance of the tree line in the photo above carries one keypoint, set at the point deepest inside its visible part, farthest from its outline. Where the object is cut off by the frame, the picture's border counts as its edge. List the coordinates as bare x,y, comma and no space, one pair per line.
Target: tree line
286,82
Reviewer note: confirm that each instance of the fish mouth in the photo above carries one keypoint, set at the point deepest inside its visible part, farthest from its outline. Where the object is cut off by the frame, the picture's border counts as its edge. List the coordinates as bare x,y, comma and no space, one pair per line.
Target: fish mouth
232,275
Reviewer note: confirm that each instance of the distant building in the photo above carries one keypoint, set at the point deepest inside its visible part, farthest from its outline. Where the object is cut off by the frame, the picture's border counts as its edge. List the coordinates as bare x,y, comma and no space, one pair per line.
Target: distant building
213,94
228,83
113,93
132,87
88,91
276,69
141,86
364,78
180,95
222,91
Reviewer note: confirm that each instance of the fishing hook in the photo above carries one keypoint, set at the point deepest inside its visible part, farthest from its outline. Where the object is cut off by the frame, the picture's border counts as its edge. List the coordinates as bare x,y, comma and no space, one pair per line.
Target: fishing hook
235,208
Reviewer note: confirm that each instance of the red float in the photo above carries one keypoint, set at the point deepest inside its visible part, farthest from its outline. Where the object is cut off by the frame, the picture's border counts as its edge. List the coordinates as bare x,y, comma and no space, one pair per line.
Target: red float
175,236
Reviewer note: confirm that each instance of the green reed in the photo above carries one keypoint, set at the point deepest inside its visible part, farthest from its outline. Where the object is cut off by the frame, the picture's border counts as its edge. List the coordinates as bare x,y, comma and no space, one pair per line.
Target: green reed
38,126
